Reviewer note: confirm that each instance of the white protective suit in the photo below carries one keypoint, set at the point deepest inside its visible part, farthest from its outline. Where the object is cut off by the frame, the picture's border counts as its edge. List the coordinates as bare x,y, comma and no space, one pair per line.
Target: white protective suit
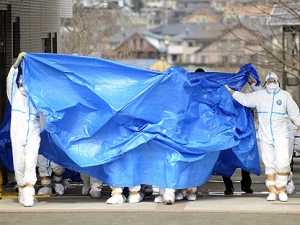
291,128
46,168
91,185
25,137
274,108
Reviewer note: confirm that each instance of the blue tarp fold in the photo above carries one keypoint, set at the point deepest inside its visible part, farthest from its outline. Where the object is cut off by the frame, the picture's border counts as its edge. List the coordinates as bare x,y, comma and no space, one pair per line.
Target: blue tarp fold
128,126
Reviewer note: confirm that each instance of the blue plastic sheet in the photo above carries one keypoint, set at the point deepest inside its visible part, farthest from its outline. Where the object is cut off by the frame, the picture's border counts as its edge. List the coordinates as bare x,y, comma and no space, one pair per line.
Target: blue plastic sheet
128,126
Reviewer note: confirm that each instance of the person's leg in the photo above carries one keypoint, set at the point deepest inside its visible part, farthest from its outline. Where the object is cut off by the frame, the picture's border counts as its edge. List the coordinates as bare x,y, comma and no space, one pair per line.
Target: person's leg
134,194
57,177
96,187
267,156
246,182
191,193
116,196
45,172
30,177
228,185
282,165
86,184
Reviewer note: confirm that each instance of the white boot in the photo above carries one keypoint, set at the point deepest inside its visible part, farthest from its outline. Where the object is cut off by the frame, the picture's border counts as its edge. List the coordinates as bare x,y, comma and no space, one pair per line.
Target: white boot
272,197
180,194
169,196
134,194
116,199
95,192
191,194
283,197
28,194
59,189
45,191
116,196
290,187
159,199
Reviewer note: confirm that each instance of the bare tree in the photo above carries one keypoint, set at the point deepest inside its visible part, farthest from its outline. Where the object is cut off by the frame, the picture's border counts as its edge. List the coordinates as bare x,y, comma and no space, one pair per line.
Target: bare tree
92,28
270,29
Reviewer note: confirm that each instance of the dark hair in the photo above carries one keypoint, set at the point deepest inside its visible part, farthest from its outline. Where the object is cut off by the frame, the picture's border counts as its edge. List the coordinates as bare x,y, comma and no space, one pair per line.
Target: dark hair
199,70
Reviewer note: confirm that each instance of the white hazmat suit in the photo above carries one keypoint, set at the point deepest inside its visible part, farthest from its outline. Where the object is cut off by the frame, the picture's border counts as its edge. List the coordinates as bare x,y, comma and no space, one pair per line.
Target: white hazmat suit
274,108
25,136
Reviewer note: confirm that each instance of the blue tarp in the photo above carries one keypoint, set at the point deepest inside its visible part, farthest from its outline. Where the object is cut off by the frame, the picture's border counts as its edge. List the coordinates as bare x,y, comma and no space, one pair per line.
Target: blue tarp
128,126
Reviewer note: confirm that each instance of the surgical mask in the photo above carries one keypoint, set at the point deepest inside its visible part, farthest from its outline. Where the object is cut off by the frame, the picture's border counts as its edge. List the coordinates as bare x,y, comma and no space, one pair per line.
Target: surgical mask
272,87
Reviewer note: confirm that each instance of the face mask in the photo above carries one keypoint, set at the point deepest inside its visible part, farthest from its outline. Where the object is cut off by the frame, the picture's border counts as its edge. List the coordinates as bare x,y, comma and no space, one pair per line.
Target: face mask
272,87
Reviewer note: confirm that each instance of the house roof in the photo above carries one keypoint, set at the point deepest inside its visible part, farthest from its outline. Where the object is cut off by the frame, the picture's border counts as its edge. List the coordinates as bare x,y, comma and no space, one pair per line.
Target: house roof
287,14
195,30
153,39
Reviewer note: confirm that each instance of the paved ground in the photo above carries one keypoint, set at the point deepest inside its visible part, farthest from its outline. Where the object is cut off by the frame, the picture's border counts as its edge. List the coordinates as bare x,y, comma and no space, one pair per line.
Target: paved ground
210,198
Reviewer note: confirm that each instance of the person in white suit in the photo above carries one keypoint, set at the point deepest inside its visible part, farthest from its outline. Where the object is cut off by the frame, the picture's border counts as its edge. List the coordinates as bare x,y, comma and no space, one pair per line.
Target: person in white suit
24,133
274,108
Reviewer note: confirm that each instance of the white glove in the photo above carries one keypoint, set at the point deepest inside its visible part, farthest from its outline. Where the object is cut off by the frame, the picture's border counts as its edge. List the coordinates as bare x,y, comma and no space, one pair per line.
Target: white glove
19,59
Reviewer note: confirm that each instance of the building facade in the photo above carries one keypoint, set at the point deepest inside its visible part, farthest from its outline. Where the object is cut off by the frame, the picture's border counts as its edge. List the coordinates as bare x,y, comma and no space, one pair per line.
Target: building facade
28,26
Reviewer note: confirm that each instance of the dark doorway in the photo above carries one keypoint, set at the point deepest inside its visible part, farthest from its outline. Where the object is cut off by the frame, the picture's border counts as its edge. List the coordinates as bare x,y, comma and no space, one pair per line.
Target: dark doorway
2,66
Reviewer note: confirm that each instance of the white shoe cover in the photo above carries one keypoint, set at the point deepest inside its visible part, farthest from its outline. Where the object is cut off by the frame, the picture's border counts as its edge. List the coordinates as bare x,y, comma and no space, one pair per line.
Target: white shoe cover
283,197
290,187
169,197
191,197
59,189
45,191
272,197
28,194
180,195
116,199
95,192
85,188
134,198
158,199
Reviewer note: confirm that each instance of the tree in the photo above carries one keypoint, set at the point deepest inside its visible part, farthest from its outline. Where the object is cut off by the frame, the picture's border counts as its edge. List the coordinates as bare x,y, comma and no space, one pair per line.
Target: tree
88,32
273,35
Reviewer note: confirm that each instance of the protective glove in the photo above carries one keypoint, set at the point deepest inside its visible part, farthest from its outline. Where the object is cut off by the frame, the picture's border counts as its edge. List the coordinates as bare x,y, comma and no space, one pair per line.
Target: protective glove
229,89
19,59
251,80
298,128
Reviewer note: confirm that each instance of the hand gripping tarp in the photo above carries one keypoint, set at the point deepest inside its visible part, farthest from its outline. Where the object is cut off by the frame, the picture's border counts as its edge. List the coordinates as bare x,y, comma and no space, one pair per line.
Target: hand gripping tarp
128,126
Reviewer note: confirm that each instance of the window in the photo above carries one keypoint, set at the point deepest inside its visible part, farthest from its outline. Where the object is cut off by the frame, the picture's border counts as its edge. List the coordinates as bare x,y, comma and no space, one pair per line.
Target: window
223,59
204,59
174,58
191,44
47,44
54,43
16,37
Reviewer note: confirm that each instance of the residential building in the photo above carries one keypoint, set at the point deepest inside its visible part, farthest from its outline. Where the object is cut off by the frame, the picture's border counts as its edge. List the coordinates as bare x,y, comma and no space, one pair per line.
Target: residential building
28,26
